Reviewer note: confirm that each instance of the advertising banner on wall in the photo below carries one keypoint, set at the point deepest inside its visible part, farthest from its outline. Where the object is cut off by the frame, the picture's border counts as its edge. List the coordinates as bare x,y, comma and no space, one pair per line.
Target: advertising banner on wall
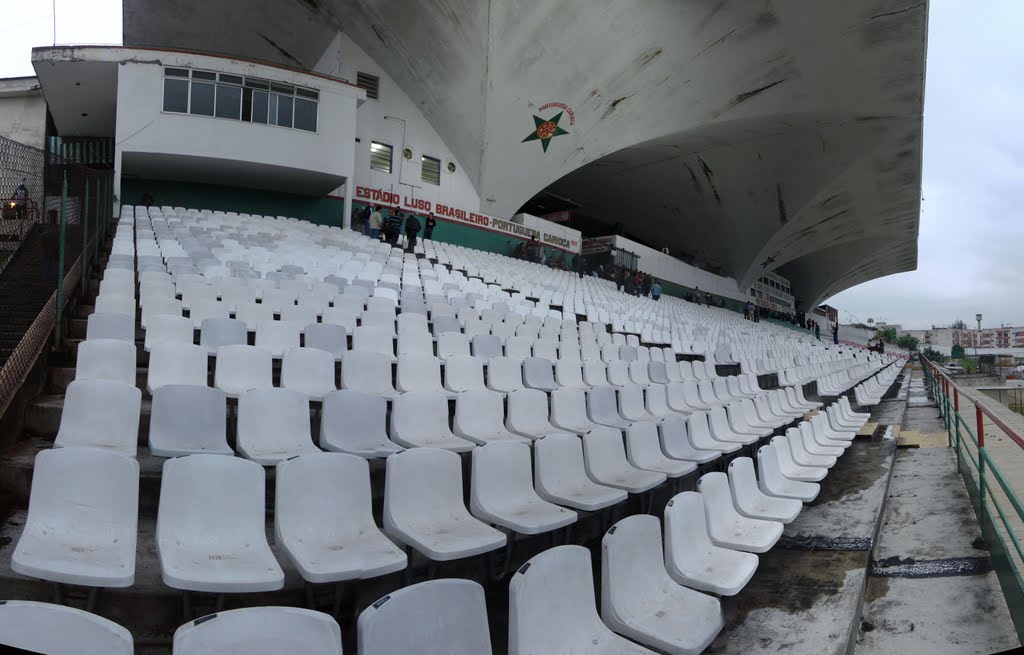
548,233
597,245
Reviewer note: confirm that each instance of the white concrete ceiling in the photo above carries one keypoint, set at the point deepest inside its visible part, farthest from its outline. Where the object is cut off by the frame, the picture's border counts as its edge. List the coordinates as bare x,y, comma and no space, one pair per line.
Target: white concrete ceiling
765,133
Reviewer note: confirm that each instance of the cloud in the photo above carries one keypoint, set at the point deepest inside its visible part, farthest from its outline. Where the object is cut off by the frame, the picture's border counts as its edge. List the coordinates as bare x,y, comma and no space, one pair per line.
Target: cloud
78,22
972,217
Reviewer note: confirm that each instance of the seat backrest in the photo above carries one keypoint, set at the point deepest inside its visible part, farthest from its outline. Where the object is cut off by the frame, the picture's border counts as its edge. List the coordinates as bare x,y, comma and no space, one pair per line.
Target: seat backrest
260,631
602,405
518,347
538,373
420,413
618,373
363,370
175,363
643,442
418,372
273,418
216,332
595,373
353,416
322,489
502,474
47,628
714,488
569,373
212,498
106,359
326,336
627,353
422,483
242,367
462,373
657,372
110,326
374,339
486,346
168,328
278,336
604,451
504,374
309,370
451,344
632,561
189,417
102,414
631,403
551,603
455,624
479,412
686,528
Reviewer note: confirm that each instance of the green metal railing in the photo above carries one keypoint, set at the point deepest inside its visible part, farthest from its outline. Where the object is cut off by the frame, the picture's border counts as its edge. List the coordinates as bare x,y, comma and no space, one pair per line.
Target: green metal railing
979,469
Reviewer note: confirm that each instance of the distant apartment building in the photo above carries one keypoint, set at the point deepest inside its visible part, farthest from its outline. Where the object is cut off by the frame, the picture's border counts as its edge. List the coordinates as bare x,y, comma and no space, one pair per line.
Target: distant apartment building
1000,337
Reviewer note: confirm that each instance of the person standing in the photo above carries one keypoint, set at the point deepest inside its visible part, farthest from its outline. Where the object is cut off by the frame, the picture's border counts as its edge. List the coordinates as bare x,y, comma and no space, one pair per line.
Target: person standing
817,331
412,228
20,198
376,223
393,227
697,297
835,334
428,227
656,290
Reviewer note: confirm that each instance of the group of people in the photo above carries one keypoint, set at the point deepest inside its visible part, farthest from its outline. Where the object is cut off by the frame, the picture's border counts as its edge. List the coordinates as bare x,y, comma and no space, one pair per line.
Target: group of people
388,224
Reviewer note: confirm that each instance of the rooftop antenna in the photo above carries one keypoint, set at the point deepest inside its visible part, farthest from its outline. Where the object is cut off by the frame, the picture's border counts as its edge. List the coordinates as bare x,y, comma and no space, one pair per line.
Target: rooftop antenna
54,22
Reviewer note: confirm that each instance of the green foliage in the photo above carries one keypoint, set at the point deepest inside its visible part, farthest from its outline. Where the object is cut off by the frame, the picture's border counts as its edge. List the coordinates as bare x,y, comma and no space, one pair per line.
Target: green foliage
934,355
958,351
958,325
907,342
886,334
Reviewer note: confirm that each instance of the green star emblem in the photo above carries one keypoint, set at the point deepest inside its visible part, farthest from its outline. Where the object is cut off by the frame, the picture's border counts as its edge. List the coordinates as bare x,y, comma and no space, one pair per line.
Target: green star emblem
545,130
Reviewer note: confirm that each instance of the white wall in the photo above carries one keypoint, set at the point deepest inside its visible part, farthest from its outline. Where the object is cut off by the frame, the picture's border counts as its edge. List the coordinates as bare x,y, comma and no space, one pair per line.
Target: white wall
669,268
414,133
142,126
23,118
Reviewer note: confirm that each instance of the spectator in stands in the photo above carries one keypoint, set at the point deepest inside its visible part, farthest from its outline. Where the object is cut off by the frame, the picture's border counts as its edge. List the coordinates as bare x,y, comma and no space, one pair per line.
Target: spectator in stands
835,334
577,265
376,222
620,278
51,246
519,251
817,331
532,246
748,311
20,198
147,199
648,283
629,285
428,228
656,290
393,227
697,296
412,229
664,249
543,256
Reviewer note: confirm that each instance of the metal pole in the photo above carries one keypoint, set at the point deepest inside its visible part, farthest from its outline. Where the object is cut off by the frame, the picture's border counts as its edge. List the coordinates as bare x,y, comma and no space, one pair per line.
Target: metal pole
96,212
60,260
85,237
956,426
981,463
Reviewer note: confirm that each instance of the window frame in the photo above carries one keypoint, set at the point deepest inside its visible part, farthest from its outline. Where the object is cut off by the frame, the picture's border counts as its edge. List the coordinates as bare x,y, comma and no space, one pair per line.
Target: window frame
391,157
423,177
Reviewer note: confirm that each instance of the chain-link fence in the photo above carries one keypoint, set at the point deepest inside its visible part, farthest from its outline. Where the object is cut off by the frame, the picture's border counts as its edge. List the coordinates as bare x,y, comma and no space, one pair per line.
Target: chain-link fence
22,190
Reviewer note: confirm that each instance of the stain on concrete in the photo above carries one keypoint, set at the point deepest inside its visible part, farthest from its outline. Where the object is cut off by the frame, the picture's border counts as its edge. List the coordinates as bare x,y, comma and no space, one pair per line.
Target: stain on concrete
710,176
783,216
647,57
279,49
747,95
615,103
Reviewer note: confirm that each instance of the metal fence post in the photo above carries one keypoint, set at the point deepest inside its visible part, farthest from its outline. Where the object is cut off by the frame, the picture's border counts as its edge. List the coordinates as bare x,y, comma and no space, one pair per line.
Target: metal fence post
981,464
85,237
956,425
96,212
60,260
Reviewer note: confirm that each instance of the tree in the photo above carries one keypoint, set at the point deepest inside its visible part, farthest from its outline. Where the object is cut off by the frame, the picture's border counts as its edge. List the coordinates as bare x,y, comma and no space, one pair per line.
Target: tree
886,334
871,321
958,351
958,325
907,342
933,355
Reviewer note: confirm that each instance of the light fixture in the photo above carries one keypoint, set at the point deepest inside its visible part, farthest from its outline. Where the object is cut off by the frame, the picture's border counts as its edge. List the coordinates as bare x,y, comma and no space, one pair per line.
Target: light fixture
451,167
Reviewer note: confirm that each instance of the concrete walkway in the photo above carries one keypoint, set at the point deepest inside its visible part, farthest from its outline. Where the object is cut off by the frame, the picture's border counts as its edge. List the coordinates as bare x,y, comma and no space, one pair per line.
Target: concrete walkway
931,588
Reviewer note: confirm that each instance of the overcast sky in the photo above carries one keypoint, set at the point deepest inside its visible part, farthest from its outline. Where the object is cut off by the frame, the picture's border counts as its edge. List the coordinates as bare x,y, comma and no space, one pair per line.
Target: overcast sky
971,248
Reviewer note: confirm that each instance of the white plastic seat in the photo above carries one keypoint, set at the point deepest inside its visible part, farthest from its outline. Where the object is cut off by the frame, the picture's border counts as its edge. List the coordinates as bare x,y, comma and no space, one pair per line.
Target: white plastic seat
595,373
602,408
773,483
480,417
561,475
260,631
692,559
638,373
273,425
355,423
657,372
323,519
552,610
569,373
455,624
528,414
168,328
188,419
415,341
518,347
369,372
424,508
640,601
115,303
419,372
374,340
504,375
217,332
201,310
618,372
175,363
452,344
790,468
160,307
751,502
241,368
538,373
278,336
643,450
727,527
502,491
605,457
252,314
463,373
632,404
100,414
60,630
676,443
419,419
210,527
802,456
83,514
310,371
569,411
106,359
486,346
326,336
110,326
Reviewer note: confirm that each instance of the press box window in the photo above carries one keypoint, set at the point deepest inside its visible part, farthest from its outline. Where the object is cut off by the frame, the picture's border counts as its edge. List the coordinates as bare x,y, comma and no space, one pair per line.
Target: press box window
380,157
430,170
369,82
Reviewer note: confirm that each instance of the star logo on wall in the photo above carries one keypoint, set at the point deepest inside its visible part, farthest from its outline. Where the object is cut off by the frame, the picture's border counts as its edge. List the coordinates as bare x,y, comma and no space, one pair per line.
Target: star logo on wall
545,130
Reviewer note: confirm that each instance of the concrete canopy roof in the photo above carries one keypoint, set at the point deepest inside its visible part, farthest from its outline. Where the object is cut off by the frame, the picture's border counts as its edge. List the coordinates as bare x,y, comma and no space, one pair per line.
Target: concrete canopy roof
769,135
